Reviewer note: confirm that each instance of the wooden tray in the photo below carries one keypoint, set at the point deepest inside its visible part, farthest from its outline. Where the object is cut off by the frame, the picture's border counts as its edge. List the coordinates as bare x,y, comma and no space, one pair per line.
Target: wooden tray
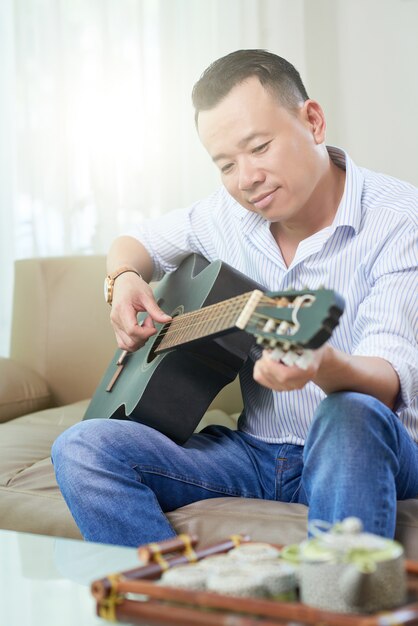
133,597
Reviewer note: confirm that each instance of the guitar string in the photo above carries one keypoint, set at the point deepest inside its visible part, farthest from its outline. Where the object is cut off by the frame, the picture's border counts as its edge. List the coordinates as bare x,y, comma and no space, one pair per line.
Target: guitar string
219,318
175,340
212,309
180,324
208,322
187,318
210,313
178,337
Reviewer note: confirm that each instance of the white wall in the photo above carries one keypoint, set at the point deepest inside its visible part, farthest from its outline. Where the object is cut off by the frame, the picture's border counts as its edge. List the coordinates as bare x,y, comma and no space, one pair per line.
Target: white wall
361,58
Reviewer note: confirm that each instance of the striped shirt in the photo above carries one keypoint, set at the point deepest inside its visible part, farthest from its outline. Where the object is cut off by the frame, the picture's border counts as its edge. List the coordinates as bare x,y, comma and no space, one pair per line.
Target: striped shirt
368,254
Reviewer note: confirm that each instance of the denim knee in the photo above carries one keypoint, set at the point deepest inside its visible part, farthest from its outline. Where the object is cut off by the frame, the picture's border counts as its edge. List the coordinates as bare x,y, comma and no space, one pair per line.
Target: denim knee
348,416
68,446
351,407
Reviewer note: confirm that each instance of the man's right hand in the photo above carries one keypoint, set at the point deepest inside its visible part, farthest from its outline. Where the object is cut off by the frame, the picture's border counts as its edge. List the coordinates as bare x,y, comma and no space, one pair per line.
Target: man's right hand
132,295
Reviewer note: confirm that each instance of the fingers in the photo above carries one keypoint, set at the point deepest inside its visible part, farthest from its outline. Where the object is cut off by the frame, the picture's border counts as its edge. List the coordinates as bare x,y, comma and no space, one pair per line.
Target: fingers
279,376
154,311
130,335
133,296
134,337
303,360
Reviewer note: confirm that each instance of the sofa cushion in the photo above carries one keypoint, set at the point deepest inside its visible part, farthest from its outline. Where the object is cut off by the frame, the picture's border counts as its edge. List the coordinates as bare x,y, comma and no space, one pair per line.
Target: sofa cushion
275,522
213,520
26,441
22,390
30,500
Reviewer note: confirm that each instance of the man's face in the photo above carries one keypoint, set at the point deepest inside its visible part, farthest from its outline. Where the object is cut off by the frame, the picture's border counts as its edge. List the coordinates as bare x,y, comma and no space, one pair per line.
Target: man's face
271,159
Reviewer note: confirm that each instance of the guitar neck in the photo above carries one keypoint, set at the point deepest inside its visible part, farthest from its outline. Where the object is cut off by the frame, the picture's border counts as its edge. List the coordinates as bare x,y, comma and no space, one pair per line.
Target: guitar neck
209,321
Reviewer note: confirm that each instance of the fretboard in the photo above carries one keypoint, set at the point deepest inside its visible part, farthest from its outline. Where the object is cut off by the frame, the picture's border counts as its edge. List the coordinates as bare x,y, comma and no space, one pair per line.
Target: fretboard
209,321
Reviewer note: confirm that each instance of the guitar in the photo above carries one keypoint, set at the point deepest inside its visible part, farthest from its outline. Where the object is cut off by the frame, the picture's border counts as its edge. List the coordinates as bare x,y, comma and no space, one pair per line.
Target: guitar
218,314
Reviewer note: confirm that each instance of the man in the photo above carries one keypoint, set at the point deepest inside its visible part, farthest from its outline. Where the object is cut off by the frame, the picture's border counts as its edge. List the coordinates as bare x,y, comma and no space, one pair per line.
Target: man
290,212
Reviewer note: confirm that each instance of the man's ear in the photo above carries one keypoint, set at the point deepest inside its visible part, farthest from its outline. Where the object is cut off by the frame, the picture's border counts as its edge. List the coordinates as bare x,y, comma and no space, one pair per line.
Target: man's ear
315,118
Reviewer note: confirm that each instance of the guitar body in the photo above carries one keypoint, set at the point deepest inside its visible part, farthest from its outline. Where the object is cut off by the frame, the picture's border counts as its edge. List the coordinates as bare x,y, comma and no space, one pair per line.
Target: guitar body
171,391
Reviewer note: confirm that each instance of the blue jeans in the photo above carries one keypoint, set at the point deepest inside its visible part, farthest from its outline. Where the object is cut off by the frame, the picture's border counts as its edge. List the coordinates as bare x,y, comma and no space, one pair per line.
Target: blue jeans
119,477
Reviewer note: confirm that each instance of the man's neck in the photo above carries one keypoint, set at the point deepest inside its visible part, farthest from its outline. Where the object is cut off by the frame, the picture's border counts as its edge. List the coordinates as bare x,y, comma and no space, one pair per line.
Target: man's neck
318,213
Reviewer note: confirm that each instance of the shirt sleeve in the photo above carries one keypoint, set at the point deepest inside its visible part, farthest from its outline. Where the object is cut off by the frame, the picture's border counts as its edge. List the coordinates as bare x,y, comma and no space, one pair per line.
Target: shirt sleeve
386,321
205,228
176,234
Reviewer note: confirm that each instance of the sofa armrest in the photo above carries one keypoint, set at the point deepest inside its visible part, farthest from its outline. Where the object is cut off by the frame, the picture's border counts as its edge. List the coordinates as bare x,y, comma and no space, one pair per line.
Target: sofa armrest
21,390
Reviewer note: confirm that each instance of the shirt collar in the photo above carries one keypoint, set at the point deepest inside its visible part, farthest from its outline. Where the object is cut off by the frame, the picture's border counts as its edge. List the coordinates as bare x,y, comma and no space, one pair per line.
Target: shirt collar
349,212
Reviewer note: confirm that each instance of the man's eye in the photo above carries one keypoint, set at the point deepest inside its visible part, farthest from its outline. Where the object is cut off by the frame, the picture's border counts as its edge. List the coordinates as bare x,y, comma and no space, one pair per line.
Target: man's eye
261,148
226,168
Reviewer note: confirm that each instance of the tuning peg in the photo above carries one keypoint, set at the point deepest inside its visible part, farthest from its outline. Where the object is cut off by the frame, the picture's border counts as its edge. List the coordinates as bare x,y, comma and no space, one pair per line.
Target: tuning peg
283,328
269,326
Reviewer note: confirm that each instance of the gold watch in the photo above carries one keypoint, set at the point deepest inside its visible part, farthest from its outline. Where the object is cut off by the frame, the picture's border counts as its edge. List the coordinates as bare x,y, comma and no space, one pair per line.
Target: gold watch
110,281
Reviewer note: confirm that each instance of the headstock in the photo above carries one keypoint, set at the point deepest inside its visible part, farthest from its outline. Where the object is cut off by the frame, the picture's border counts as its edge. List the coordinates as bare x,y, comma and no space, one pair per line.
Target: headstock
296,320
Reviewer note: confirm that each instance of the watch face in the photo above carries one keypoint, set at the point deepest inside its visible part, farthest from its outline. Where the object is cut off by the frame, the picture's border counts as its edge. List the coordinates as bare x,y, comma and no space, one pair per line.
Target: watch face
107,289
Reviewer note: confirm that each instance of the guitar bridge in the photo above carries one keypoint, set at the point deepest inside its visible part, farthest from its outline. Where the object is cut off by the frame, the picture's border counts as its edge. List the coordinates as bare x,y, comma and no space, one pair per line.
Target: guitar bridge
120,363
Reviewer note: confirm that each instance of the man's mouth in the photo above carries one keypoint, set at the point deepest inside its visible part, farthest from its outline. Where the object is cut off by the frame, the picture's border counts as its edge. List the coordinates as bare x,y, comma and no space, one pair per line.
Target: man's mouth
263,200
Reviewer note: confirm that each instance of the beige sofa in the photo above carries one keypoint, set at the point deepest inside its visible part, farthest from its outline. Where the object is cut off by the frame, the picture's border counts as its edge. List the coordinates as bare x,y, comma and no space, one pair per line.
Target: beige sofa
61,344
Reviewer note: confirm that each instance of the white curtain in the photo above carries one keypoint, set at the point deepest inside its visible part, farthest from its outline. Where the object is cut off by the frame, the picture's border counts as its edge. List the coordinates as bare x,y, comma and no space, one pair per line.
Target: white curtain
96,122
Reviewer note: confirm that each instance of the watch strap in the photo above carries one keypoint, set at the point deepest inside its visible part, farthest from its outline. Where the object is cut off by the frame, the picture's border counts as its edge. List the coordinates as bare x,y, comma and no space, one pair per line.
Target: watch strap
110,280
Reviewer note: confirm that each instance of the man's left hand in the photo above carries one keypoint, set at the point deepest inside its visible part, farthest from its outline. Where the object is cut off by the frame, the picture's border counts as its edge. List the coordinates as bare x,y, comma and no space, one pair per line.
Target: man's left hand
276,375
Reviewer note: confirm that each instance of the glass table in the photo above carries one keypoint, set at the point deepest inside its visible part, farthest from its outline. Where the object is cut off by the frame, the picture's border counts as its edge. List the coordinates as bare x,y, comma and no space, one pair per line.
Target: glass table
45,581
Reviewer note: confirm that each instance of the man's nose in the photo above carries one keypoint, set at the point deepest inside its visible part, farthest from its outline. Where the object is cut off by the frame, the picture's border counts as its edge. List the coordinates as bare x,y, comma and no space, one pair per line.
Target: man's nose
249,174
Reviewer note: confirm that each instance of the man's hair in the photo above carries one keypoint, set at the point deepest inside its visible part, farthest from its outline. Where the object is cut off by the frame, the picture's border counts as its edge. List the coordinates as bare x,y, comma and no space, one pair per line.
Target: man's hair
275,74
